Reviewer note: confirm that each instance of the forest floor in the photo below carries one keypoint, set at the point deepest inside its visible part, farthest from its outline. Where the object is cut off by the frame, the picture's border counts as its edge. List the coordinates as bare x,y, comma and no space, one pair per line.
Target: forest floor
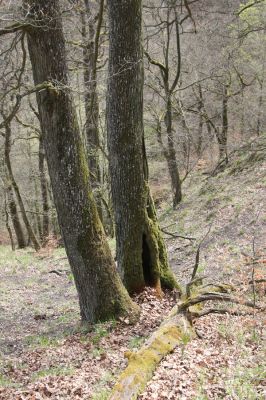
46,354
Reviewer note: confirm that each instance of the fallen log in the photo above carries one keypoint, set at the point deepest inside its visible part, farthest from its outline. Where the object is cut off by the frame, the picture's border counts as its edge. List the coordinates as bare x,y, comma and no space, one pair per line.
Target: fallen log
175,330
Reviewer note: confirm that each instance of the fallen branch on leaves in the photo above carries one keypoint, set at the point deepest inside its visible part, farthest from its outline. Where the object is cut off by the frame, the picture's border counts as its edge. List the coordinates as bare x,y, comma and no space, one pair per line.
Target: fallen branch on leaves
176,330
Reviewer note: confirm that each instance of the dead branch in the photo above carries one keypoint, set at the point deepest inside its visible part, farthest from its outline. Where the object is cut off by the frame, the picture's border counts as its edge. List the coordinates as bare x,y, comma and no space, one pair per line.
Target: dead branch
196,265
175,235
221,311
207,296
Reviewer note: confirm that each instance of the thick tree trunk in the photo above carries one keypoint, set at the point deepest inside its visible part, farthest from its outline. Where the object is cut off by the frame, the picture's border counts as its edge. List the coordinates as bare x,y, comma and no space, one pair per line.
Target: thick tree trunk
15,187
141,254
100,290
44,192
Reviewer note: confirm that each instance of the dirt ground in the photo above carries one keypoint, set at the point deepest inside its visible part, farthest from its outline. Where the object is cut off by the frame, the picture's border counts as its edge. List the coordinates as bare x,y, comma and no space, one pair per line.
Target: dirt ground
46,354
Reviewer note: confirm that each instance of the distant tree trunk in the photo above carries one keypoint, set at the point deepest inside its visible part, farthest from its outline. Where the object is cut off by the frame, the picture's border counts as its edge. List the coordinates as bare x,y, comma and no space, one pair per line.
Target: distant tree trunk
169,87
21,241
260,104
90,54
223,133
141,254
171,155
15,187
100,290
9,230
44,192
34,199
201,122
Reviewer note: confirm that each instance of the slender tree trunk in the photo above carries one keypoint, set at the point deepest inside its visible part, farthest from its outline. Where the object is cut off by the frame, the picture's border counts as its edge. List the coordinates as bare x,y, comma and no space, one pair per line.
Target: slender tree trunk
165,72
35,215
222,135
15,187
90,34
9,230
171,159
44,192
21,241
200,126
141,254
260,104
100,290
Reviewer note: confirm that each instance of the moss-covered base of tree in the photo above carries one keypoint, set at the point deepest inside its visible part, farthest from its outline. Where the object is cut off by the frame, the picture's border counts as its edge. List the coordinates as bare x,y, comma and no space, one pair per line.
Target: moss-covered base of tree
158,252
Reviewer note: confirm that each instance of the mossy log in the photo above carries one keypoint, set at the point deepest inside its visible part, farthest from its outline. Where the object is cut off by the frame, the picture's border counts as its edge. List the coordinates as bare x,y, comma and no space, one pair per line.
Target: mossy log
175,330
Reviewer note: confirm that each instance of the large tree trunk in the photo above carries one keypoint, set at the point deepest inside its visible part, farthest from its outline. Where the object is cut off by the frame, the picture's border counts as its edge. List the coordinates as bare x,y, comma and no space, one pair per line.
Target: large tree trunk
101,293
141,254
15,187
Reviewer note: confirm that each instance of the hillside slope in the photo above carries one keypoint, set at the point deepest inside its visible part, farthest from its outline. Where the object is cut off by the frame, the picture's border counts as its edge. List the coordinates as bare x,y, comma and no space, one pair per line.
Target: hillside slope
231,205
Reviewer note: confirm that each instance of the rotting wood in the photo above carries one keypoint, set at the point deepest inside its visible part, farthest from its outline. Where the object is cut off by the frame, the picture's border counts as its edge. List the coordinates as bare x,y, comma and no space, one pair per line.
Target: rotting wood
175,330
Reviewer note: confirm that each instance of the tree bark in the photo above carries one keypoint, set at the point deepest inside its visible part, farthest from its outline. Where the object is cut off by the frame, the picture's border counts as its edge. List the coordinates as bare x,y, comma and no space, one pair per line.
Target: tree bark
141,254
101,293
90,55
